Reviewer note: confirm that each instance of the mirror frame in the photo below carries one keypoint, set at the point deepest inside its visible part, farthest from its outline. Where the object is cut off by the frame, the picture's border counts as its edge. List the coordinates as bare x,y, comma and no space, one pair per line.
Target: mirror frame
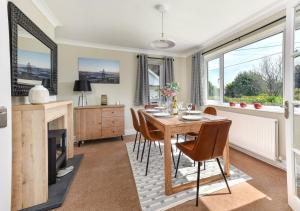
17,17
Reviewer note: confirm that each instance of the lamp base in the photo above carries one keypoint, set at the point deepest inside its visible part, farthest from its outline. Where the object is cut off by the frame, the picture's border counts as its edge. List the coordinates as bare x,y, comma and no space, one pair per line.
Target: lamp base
82,100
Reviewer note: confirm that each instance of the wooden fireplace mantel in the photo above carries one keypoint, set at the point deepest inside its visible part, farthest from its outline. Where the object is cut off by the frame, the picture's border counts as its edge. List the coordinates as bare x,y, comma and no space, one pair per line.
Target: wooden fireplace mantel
30,149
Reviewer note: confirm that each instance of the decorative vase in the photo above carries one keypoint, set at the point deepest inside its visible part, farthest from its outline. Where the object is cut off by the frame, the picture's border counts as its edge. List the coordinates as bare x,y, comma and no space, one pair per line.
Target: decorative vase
243,104
38,95
174,106
257,105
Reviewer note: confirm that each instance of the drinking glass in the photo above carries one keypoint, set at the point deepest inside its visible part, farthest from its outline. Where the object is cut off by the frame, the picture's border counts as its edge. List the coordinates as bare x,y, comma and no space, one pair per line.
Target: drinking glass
189,108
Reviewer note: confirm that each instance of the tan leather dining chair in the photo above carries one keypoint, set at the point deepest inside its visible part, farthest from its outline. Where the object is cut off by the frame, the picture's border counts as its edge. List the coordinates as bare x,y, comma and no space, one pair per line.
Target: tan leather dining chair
151,136
136,126
209,144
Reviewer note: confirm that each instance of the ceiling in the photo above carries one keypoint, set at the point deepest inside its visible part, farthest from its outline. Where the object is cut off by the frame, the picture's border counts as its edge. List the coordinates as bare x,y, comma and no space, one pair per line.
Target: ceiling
135,23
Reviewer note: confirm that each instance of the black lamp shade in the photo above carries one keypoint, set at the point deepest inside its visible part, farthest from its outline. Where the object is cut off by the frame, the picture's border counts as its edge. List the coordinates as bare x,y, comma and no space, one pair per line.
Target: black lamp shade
82,86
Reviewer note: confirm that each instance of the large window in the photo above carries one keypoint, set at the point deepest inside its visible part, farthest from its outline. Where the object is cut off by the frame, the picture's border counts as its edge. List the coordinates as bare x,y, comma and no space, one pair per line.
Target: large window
154,70
213,78
253,73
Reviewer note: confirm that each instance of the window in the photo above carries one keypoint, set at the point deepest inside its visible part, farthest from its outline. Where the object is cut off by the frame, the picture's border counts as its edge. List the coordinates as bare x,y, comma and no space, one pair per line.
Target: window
154,72
213,79
252,73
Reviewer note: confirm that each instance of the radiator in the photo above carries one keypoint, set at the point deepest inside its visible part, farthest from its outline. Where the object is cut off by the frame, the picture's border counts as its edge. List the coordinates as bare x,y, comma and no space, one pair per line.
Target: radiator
258,135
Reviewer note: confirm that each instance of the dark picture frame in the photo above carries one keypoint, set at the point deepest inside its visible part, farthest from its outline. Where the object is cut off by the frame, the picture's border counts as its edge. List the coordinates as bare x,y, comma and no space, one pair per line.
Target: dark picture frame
17,17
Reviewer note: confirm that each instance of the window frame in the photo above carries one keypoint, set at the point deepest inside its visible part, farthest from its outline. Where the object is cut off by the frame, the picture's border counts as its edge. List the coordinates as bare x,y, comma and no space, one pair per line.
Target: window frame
248,41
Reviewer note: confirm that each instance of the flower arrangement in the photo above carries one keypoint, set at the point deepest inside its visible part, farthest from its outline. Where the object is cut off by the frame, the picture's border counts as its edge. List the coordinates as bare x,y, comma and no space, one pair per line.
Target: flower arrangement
170,90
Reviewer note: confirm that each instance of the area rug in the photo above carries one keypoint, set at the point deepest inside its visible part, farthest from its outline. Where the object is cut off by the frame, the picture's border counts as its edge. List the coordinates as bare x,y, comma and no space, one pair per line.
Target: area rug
151,190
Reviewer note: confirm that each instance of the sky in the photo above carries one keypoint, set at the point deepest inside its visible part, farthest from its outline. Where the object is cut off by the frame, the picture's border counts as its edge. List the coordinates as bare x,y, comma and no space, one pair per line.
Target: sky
37,59
96,65
248,57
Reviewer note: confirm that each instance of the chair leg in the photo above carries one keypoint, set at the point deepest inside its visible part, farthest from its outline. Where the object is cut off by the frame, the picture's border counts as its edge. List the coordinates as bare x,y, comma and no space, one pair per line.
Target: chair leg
143,150
204,167
177,138
135,140
148,158
138,152
223,175
198,181
185,137
177,164
173,156
159,148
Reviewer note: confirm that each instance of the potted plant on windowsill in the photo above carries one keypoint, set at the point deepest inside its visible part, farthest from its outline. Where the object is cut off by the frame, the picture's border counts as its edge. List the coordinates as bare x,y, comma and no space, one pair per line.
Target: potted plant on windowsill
257,105
243,104
232,104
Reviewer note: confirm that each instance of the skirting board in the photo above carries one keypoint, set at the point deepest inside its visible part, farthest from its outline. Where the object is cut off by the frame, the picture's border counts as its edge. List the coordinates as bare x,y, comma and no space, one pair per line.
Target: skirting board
278,164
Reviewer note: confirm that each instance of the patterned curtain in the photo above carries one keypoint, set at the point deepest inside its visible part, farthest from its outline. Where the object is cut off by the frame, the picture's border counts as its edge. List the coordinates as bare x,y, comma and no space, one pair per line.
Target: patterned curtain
197,79
142,95
168,71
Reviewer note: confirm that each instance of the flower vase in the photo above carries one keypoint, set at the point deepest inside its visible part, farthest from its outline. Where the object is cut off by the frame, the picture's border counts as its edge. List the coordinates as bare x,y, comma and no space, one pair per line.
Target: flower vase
174,106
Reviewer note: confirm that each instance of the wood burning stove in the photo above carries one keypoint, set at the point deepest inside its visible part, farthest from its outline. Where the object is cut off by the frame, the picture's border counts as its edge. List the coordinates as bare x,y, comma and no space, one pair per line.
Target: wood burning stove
56,153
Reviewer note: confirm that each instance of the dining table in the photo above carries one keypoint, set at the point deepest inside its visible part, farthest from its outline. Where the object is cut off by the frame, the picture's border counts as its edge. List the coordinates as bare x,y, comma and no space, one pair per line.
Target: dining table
173,125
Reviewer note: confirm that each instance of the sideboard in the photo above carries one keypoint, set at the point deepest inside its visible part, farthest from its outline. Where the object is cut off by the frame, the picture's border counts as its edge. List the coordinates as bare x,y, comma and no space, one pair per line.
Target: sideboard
97,122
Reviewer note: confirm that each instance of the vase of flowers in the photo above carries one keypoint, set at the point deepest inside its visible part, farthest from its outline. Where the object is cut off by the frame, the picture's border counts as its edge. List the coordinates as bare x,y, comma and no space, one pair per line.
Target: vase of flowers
170,92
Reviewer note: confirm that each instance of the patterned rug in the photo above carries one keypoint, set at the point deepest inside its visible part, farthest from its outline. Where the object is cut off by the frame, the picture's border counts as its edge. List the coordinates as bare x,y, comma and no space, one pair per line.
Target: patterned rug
150,188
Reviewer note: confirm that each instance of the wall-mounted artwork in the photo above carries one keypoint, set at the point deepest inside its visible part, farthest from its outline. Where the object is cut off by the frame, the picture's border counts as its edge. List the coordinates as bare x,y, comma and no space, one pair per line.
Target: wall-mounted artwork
99,70
33,67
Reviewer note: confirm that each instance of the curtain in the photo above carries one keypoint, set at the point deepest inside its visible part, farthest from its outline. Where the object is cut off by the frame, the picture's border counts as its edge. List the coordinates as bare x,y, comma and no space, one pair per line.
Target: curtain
197,79
142,95
168,71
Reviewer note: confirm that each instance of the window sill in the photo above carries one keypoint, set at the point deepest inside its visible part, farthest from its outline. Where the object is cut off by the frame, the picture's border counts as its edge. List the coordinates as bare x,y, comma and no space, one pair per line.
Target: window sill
270,109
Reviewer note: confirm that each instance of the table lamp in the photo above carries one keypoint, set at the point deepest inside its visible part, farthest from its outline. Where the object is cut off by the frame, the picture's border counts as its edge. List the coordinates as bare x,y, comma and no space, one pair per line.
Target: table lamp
82,86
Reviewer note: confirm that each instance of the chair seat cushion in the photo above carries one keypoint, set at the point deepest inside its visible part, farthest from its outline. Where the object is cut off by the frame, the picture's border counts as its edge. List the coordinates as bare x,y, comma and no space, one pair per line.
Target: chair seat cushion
186,147
156,135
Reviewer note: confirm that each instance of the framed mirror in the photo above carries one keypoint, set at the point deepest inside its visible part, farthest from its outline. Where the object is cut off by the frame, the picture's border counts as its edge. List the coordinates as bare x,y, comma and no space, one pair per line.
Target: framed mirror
33,55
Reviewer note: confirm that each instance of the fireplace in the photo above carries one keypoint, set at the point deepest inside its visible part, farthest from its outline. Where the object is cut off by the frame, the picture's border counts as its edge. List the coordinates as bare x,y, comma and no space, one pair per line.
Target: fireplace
57,157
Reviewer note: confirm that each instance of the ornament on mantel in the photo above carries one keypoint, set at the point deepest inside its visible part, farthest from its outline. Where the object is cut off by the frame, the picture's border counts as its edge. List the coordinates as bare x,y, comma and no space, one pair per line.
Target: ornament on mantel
38,95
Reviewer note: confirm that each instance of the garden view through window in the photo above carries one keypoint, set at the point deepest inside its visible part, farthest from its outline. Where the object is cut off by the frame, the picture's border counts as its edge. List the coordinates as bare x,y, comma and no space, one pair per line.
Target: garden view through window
154,81
254,73
213,79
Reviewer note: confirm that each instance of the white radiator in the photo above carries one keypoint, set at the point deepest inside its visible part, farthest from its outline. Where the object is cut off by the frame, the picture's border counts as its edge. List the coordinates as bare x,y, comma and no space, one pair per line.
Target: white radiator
258,135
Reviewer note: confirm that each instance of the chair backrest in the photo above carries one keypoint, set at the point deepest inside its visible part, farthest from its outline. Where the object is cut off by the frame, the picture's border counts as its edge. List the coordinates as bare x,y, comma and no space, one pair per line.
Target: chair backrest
211,140
147,106
135,120
210,110
143,126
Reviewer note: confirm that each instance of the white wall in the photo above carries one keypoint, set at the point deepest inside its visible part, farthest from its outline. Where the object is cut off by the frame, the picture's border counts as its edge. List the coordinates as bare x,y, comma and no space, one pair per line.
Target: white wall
5,100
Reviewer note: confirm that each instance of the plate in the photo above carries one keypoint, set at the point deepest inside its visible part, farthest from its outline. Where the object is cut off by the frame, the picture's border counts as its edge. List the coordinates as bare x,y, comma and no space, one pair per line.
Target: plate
192,117
160,108
150,110
161,114
194,112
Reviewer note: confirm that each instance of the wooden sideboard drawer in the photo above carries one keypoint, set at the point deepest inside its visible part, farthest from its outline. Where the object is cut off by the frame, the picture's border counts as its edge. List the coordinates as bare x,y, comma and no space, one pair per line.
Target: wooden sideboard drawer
110,112
112,131
112,122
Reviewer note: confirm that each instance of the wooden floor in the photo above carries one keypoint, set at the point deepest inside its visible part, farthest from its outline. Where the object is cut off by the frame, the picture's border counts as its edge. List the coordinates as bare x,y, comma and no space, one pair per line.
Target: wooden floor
105,182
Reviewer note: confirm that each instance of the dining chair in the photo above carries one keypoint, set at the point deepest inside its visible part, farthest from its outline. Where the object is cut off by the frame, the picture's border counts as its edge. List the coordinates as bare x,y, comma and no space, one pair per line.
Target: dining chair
151,136
210,144
137,127
148,106
208,110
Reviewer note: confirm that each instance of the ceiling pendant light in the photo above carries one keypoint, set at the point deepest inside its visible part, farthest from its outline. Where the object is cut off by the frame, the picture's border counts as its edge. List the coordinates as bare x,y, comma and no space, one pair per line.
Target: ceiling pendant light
162,43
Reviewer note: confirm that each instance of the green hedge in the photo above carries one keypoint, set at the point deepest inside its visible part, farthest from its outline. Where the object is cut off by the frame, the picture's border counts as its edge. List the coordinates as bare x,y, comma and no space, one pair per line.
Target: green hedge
262,98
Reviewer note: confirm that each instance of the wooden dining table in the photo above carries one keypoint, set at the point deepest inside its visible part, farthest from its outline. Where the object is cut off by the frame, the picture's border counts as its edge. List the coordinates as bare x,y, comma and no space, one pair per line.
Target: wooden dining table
174,125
